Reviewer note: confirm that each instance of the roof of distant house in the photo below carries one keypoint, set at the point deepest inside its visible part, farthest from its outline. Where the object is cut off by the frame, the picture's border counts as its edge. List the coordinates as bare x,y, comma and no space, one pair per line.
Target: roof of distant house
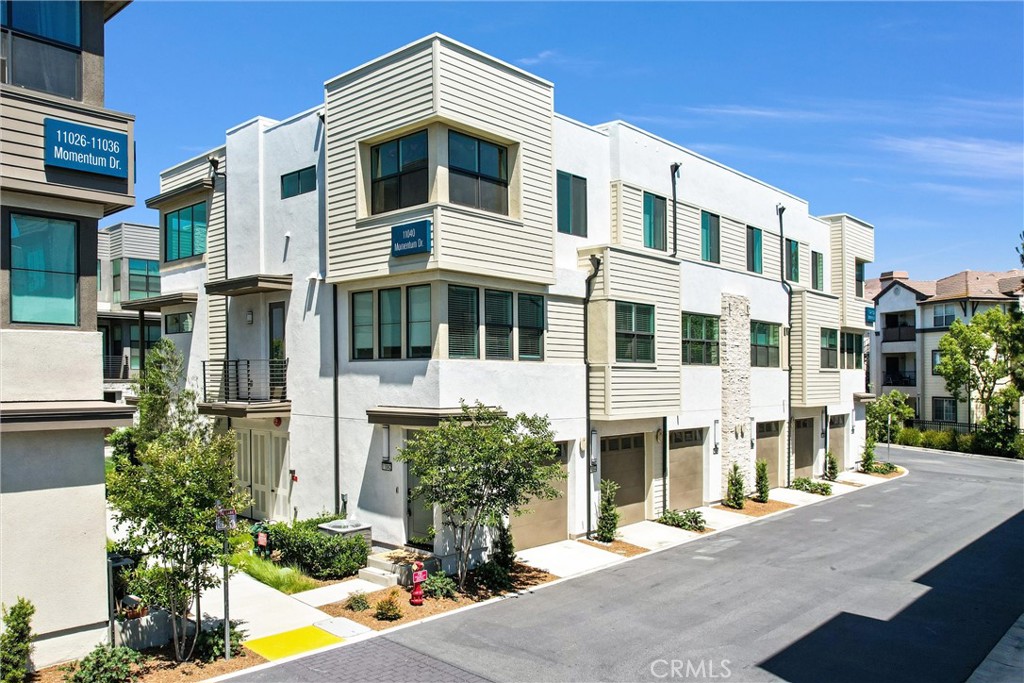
967,284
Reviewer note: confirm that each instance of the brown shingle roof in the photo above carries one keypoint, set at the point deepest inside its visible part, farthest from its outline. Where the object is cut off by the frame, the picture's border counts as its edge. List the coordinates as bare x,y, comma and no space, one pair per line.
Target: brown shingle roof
973,284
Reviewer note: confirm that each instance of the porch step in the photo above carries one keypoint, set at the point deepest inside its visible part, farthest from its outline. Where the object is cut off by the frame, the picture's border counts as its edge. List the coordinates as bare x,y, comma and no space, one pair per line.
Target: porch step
400,562
378,576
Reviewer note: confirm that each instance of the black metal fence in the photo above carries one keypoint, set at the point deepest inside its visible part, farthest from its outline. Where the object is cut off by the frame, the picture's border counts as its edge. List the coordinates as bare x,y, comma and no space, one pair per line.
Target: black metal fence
904,378
939,426
245,380
117,368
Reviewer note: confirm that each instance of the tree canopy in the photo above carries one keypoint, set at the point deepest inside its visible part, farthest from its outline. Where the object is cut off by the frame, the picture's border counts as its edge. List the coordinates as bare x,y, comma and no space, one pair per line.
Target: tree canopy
973,357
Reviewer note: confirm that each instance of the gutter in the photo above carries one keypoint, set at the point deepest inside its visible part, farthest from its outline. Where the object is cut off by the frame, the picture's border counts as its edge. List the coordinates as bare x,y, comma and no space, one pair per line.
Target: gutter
675,225
780,209
595,263
664,464
337,430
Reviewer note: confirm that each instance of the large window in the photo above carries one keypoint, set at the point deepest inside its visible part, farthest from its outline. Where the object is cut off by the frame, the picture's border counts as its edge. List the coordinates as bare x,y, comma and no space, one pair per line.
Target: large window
398,173
943,315
42,45
389,323
418,322
498,324
852,348
654,221
185,232
710,237
572,204
178,323
792,260
152,337
700,339
44,270
143,278
59,22
764,344
116,277
634,332
463,322
477,173
754,249
817,271
298,182
531,327
362,325
943,409
829,349
859,274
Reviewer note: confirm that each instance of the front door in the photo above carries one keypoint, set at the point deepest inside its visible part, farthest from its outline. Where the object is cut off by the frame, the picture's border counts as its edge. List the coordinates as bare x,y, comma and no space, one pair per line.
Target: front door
837,439
892,369
281,479
261,475
686,469
243,464
276,354
419,517
803,450
768,438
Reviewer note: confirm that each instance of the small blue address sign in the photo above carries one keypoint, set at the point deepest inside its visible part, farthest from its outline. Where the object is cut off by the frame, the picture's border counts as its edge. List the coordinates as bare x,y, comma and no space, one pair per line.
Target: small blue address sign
411,238
85,148
869,315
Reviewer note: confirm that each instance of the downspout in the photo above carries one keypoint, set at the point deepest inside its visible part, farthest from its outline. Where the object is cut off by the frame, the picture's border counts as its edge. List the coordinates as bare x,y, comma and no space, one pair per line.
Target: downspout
595,263
780,209
675,225
664,464
337,430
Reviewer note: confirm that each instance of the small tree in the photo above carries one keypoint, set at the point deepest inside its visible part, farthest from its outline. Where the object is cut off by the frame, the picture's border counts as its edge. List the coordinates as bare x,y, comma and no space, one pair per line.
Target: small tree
761,481
867,460
734,497
893,403
503,551
16,641
973,357
998,432
607,513
481,467
831,466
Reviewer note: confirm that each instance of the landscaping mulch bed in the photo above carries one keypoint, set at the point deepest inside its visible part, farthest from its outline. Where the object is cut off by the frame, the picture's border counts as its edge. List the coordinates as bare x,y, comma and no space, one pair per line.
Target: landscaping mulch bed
617,547
891,475
755,509
160,667
523,577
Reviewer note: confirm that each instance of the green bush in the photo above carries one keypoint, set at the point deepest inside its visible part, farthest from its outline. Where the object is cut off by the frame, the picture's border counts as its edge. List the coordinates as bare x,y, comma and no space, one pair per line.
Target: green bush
493,577
317,554
867,460
1018,447
945,440
388,608
150,585
831,466
16,641
105,664
210,643
439,585
357,602
761,486
965,443
690,520
909,436
734,497
884,468
504,549
287,579
607,514
820,488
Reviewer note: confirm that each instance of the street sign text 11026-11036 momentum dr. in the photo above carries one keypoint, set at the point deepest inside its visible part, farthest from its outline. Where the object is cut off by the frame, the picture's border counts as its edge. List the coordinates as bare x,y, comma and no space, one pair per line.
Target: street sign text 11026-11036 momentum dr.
85,148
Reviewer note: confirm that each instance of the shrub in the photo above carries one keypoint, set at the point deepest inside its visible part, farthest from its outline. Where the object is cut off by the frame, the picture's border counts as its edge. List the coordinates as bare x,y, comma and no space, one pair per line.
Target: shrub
439,585
504,551
1018,447
357,602
831,466
820,488
608,514
493,577
105,664
867,460
319,555
287,579
734,497
945,440
388,607
16,641
153,586
690,520
761,487
965,443
884,468
210,642
909,436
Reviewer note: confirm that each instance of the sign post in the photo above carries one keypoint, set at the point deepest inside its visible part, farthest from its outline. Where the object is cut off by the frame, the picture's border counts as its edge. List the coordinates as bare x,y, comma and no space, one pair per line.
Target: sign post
227,520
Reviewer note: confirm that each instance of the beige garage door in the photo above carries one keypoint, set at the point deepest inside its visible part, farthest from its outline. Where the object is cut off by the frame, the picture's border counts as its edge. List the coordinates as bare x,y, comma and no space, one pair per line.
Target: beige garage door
768,435
544,521
686,469
837,439
622,461
803,448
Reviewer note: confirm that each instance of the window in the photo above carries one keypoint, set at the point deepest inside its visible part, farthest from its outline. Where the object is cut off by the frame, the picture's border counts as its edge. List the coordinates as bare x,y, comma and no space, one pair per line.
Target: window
477,173
418,324
754,264
817,271
709,237
859,265
362,325
44,270
463,322
634,332
398,173
936,359
852,347
572,204
700,339
389,323
943,409
498,324
764,344
117,281
654,221
943,315
59,22
185,232
177,323
298,182
99,276
531,327
792,260
143,278
829,349
42,46
152,337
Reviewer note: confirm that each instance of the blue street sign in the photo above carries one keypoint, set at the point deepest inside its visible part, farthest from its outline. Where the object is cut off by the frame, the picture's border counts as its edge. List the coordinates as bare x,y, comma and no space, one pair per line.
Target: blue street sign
85,148
411,238
869,315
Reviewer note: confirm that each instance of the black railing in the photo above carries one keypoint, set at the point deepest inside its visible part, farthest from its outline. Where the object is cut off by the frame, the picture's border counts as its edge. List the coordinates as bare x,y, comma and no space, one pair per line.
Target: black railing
904,378
901,333
117,368
940,426
245,380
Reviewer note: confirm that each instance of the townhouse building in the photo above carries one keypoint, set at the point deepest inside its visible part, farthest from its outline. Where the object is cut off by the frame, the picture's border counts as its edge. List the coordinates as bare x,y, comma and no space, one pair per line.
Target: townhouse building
434,232
65,162
913,316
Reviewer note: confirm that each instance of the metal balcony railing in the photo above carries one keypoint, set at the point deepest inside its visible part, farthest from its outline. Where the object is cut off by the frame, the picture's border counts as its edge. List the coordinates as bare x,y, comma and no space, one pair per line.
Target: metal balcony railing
245,380
117,368
901,333
904,378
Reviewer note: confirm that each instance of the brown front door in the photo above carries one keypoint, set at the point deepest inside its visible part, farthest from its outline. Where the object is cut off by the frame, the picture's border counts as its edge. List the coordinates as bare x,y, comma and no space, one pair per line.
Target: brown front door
803,448
686,469
768,437
837,438
622,461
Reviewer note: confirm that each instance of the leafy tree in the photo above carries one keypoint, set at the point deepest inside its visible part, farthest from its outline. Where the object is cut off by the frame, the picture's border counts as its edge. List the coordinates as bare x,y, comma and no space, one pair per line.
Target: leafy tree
973,356
16,641
997,434
480,467
831,466
893,403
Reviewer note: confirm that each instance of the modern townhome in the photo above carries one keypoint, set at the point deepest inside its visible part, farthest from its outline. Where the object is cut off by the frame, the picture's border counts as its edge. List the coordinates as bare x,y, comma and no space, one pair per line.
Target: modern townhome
127,269
65,163
913,315
434,232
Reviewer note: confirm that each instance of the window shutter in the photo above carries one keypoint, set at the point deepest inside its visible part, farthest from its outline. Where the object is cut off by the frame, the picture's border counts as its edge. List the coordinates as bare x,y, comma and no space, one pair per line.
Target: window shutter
498,324
463,322
531,327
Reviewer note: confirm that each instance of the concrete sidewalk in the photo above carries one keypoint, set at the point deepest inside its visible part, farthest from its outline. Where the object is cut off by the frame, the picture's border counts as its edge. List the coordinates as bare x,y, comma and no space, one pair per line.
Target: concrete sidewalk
265,610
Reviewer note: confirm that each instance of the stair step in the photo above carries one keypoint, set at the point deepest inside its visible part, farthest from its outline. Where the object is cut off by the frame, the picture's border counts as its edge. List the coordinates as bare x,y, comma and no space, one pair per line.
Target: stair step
379,577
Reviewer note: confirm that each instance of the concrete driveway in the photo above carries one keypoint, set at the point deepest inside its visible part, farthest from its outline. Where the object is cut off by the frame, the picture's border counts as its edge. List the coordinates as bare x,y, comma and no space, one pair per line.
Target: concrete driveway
913,580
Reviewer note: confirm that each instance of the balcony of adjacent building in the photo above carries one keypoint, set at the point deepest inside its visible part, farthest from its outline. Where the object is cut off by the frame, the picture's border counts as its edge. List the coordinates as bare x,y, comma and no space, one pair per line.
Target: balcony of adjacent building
245,387
899,327
899,370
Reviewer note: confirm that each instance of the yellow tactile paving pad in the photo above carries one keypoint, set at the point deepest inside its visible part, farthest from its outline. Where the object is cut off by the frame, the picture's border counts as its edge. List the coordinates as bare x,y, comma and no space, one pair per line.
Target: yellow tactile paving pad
281,645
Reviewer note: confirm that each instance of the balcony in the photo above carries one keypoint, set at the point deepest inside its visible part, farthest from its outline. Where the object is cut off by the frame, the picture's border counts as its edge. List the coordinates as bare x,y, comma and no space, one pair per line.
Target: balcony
118,369
898,334
245,387
902,378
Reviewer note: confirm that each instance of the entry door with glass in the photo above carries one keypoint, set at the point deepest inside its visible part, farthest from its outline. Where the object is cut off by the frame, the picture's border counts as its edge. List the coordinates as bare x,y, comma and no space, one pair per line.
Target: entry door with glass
277,362
419,517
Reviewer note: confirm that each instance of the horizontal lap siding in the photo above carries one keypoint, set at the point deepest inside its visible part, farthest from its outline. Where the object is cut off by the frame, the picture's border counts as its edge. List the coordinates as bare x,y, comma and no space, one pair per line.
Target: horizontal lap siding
565,329
816,311
217,266
733,244
630,230
139,242
770,264
858,243
688,219
189,172
836,282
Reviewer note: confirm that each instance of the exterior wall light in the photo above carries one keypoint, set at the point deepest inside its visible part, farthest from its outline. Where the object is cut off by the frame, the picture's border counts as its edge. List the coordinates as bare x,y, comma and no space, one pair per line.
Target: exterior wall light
824,422
385,460
714,436
594,447
753,432
248,317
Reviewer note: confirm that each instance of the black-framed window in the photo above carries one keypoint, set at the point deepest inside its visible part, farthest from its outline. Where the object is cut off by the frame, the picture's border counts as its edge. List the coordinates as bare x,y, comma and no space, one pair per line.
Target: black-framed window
362,325
185,232
754,249
298,182
817,271
943,315
634,332
463,322
152,337
859,275
943,409
764,344
477,173
42,46
572,204
792,260
700,339
44,269
710,237
829,349
531,327
116,280
398,173
655,222
178,323
58,22
497,324
389,323
143,278
418,330
852,350
936,359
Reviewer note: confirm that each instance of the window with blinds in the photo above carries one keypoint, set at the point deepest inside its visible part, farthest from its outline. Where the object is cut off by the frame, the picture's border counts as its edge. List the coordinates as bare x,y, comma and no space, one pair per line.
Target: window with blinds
634,332
700,339
764,344
497,324
829,349
362,325
654,221
531,327
418,325
463,322
389,323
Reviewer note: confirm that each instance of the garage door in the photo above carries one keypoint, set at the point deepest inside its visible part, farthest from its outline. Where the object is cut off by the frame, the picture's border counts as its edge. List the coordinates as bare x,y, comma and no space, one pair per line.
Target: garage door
686,469
622,461
837,439
803,448
768,434
544,521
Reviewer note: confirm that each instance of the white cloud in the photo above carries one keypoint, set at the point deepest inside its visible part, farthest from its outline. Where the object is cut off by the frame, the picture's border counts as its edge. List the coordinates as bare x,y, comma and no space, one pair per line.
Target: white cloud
973,195
963,156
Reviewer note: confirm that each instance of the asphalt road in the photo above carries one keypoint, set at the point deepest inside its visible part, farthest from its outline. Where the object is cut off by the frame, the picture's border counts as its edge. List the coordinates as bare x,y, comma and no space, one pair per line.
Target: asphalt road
912,580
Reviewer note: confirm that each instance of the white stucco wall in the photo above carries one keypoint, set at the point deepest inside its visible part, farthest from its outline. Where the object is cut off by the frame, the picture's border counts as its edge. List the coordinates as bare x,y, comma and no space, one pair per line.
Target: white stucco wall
50,365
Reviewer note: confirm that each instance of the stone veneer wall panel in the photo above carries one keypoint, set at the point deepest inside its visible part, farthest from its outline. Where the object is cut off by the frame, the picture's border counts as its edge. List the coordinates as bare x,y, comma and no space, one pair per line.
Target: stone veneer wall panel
734,357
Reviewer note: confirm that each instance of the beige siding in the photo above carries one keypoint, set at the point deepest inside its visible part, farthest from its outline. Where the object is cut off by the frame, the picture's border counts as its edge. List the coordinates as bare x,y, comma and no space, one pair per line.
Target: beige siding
136,241
770,250
599,389
217,267
688,218
805,264
188,172
812,386
629,227
565,329
616,214
856,241
733,244
493,245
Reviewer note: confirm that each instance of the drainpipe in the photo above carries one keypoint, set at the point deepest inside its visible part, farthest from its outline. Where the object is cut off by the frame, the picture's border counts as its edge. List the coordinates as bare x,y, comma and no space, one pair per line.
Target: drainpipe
337,430
675,225
780,209
664,464
595,264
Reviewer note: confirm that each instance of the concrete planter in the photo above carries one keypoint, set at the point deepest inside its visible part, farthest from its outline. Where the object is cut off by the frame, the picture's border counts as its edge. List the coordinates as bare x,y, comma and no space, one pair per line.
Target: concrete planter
152,630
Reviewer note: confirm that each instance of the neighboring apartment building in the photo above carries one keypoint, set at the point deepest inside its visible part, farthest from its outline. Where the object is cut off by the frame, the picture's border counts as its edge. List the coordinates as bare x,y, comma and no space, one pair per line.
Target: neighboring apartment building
127,269
913,315
435,232
65,163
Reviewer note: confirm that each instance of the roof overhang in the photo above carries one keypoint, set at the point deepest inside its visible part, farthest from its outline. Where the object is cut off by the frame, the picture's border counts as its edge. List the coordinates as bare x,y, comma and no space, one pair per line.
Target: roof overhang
112,7
250,284
201,185
31,416
157,303
863,397
413,416
242,409
121,315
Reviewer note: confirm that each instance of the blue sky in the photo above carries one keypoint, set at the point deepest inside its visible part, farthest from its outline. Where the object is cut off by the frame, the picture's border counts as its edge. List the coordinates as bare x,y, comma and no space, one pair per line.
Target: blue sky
908,115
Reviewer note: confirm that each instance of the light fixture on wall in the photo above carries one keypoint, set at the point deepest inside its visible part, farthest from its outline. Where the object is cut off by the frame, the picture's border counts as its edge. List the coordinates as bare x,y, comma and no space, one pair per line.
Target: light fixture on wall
714,436
824,421
658,435
248,317
593,450
385,460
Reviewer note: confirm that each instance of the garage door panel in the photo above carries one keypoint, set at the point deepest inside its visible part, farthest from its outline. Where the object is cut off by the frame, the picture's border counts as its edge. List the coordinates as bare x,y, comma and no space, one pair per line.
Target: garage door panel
543,521
622,461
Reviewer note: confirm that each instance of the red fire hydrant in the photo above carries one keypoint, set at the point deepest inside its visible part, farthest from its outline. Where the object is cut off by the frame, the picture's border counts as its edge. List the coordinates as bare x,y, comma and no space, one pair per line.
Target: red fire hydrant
419,575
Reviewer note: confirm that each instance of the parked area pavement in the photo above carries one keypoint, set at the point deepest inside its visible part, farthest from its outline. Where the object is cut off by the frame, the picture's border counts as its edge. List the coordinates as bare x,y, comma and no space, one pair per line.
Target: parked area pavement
916,579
